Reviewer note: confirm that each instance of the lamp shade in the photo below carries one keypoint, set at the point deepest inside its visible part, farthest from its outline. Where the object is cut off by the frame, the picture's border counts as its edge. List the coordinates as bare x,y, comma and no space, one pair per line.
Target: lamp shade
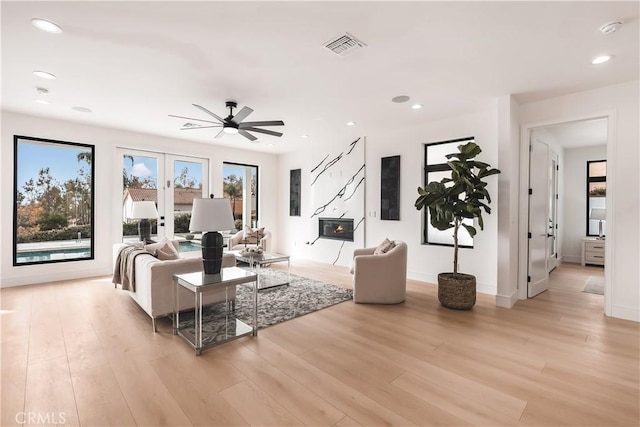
211,215
144,209
598,214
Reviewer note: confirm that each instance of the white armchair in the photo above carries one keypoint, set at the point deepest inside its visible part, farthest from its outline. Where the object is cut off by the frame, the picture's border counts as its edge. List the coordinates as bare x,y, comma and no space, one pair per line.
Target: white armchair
237,241
380,279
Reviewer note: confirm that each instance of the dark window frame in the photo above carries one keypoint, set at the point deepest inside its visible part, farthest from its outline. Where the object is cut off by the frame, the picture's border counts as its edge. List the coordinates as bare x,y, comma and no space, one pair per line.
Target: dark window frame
589,180
440,167
88,147
257,185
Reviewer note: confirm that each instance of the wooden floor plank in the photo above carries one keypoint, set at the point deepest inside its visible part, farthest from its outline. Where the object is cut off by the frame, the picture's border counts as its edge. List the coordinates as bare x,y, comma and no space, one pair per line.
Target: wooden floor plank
82,348
257,407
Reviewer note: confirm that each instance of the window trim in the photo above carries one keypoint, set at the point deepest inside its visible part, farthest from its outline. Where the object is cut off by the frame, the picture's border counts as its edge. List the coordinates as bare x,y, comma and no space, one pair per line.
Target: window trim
89,147
440,167
257,185
588,181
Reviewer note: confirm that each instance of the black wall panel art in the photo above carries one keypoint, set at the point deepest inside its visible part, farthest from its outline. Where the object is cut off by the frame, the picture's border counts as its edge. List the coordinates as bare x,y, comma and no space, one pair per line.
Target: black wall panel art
390,188
294,191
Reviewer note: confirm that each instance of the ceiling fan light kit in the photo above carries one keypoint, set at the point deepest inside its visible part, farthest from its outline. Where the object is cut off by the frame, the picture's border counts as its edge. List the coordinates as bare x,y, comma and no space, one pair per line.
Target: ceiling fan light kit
233,123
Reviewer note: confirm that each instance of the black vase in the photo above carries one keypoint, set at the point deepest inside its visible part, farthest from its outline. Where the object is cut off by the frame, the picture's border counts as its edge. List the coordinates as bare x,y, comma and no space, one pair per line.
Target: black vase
212,245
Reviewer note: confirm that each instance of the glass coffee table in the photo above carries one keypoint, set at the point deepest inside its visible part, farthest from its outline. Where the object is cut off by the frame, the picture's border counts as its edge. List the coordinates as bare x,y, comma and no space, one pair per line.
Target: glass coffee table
257,262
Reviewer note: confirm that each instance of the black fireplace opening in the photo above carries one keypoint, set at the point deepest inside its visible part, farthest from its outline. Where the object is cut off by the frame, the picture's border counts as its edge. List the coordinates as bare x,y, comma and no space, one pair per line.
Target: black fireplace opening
336,229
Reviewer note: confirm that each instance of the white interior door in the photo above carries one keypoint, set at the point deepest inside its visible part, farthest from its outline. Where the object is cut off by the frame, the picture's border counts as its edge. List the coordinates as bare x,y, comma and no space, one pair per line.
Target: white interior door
552,233
538,280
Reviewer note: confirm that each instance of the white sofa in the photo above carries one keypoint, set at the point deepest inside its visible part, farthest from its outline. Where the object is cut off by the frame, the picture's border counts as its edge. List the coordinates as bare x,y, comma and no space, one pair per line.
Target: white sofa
154,282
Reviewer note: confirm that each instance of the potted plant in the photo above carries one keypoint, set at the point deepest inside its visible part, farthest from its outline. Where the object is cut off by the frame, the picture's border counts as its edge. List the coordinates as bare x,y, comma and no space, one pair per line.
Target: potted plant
449,202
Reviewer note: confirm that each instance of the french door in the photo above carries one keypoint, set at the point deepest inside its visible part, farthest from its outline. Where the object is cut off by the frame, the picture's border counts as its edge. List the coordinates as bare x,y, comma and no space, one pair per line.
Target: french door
170,181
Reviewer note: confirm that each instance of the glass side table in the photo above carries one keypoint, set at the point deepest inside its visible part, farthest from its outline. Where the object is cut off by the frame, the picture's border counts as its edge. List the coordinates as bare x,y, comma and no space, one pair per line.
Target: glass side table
228,327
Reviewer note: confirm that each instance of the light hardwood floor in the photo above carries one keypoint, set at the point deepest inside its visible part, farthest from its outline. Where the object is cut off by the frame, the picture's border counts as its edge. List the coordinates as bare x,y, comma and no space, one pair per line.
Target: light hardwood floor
84,351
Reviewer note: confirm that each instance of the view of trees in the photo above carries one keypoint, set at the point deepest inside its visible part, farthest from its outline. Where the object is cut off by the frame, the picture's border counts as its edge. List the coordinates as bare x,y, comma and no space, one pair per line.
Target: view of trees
48,209
232,186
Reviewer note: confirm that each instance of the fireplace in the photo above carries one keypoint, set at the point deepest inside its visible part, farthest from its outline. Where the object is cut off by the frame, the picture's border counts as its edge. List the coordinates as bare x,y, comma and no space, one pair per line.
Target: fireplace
336,229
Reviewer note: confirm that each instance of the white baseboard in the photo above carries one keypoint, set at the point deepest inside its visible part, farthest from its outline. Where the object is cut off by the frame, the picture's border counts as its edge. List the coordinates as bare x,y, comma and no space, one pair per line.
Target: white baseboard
627,313
507,301
482,288
571,258
53,277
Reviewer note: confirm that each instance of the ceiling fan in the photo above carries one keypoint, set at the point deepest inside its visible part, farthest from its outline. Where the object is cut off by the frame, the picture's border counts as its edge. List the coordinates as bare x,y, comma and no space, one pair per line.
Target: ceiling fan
232,123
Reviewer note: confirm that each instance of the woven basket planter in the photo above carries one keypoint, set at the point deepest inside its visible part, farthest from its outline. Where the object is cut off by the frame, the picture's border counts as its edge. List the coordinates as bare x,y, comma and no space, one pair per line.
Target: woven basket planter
457,292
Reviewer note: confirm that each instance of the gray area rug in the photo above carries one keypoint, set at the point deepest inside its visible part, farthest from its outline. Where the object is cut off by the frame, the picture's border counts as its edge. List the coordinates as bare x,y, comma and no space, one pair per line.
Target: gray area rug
275,305
594,285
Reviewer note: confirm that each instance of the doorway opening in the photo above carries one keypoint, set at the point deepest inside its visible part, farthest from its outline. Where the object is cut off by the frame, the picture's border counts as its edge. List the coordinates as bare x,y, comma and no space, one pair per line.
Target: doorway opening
557,205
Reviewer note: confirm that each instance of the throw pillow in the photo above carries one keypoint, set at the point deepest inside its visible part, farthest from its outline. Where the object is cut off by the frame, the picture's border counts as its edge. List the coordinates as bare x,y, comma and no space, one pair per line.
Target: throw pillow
167,252
252,236
384,247
153,247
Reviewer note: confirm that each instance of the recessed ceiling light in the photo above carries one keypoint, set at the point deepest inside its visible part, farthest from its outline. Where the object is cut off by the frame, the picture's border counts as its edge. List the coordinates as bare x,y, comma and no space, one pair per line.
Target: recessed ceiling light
611,27
416,106
601,59
400,98
81,109
41,101
351,123
304,136
44,75
47,26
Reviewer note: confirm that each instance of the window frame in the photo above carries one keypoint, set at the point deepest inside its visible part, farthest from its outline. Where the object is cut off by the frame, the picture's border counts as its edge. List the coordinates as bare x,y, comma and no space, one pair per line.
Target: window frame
590,180
87,147
257,187
439,167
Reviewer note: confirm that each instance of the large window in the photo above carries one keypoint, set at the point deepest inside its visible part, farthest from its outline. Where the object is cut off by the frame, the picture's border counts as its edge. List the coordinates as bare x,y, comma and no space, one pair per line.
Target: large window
596,193
53,201
240,184
436,168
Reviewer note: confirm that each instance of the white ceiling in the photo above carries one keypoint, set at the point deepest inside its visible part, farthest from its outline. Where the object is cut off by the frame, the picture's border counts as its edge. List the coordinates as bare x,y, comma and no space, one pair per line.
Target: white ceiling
579,134
134,63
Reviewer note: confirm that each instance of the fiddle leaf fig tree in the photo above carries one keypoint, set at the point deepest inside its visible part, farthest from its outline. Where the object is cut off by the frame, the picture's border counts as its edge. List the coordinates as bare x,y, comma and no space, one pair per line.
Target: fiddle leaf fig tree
464,195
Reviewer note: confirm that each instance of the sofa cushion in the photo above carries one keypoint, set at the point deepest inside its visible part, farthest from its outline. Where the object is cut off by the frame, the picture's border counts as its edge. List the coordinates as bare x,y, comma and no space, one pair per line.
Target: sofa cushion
153,247
167,252
384,247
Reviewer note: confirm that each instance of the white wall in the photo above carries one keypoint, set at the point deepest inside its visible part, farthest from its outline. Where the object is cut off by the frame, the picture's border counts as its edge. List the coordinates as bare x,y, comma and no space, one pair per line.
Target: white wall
424,261
623,182
299,234
575,198
108,182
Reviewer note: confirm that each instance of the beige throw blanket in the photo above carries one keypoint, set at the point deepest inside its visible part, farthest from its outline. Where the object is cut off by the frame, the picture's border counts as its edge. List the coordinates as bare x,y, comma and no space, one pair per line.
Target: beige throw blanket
124,269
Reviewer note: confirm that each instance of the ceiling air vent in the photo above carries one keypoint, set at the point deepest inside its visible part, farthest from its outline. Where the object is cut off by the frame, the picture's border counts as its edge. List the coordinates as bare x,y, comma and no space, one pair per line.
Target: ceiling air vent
344,44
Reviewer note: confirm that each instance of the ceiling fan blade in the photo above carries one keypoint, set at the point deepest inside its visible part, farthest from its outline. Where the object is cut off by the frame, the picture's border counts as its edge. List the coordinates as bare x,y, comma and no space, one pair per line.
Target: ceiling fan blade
209,112
268,132
242,114
190,118
247,135
264,123
221,133
199,127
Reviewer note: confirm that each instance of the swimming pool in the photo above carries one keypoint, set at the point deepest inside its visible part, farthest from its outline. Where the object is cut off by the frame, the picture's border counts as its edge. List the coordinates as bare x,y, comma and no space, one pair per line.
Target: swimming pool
189,245
40,255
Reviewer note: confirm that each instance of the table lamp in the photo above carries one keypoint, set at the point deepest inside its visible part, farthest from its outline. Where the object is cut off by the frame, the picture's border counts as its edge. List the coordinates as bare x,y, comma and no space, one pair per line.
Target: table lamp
210,216
143,210
598,214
